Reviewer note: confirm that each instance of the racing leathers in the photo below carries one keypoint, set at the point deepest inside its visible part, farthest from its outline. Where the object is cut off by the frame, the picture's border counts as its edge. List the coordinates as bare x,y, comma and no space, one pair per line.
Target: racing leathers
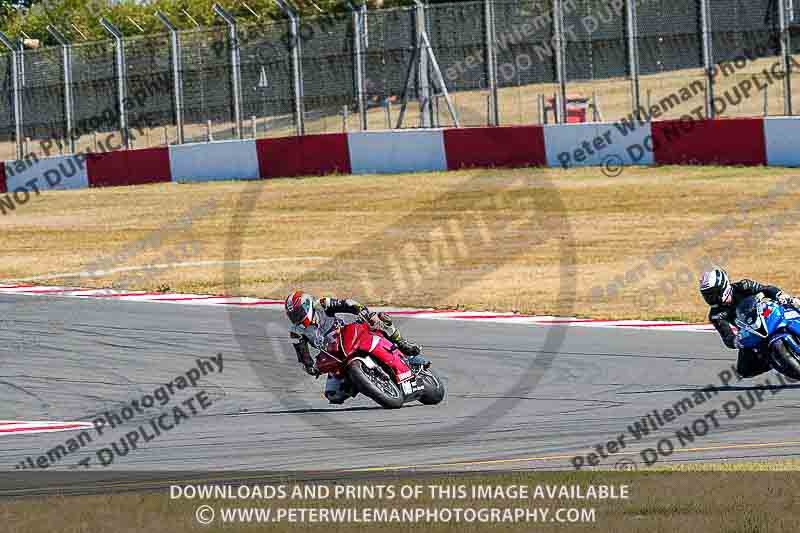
751,362
322,334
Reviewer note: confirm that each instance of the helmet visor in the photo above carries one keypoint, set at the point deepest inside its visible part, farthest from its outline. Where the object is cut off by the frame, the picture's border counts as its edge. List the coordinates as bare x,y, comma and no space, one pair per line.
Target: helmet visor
712,296
301,313
297,314
717,295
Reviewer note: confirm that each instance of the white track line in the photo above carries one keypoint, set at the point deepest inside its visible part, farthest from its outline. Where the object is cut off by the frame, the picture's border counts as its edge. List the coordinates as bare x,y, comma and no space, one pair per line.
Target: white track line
15,427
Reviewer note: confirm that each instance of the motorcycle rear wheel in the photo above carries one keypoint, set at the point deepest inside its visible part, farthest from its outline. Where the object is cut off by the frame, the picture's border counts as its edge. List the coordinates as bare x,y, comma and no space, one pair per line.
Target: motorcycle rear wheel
786,359
434,388
376,384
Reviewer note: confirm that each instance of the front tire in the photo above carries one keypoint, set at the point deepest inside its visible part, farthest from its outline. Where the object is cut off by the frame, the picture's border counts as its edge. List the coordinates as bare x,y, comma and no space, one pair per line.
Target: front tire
376,384
786,359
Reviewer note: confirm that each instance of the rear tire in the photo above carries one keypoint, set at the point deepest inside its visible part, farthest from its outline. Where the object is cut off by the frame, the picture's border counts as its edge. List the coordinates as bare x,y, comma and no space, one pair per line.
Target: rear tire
787,360
435,390
376,384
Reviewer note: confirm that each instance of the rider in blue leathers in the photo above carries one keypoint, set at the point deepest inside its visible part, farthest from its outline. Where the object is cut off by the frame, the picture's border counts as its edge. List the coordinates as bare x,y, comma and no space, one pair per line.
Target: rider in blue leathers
723,297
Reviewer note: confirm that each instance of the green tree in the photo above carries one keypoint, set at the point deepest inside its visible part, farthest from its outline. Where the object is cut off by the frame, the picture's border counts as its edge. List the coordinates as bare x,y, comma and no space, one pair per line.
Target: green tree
127,14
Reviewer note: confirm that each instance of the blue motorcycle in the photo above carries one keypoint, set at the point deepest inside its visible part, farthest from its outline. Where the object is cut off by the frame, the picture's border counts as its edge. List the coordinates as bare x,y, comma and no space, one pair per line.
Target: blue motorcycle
767,325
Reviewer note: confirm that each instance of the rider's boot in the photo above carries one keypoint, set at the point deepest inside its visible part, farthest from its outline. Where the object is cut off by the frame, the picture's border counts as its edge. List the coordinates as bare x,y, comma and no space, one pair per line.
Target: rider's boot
409,349
336,390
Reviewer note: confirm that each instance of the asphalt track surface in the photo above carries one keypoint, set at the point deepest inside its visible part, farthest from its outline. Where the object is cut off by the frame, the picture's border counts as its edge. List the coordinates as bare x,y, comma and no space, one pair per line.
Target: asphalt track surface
70,359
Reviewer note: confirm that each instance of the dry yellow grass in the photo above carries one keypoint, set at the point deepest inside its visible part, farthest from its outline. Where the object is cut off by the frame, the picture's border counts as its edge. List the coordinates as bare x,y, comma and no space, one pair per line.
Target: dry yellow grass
532,240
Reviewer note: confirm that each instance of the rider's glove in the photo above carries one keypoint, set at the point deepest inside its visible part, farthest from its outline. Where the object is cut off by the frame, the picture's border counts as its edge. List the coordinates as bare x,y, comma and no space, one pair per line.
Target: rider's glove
311,370
786,299
366,315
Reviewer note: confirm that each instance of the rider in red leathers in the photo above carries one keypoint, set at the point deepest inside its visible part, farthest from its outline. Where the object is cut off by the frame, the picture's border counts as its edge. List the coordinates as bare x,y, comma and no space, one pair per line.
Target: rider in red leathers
314,323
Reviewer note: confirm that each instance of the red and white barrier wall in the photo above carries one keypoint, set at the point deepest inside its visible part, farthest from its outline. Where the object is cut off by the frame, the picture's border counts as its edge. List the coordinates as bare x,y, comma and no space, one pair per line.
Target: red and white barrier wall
753,141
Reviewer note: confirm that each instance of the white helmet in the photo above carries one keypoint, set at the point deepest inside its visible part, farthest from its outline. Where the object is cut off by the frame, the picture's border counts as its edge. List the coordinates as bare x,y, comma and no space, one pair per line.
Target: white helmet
715,287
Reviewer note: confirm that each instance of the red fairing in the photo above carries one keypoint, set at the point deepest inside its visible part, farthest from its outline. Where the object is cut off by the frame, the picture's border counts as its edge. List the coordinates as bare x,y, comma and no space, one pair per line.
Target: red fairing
329,365
350,336
358,337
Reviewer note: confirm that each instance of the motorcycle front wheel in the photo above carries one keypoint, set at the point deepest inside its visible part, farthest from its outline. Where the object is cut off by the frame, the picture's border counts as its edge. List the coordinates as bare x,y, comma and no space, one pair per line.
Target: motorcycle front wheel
376,384
786,359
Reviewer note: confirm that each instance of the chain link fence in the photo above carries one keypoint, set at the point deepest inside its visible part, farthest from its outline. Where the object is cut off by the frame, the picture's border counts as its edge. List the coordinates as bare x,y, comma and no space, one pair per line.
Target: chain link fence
150,82
95,90
267,90
669,41
526,61
596,56
389,40
750,29
328,64
7,125
476,63
458,42
42,83
207,84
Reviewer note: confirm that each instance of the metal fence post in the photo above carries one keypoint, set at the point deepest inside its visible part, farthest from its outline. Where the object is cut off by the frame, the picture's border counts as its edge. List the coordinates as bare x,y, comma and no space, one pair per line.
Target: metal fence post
177,73
428,49
426,109
235,67
358,41
708,56
21,52
561,71
122,82
68,106
364,46
491,62
786,50
364,24
297,65
15,74
633,57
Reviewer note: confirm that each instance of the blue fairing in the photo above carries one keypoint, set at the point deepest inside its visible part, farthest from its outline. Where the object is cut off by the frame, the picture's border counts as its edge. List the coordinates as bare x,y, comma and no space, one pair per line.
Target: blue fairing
788,338
794,326
767,322
749,340
775,319
789,320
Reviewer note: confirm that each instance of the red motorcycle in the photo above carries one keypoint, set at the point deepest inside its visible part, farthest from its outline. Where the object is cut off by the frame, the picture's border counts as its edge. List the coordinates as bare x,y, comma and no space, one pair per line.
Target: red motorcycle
370,364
